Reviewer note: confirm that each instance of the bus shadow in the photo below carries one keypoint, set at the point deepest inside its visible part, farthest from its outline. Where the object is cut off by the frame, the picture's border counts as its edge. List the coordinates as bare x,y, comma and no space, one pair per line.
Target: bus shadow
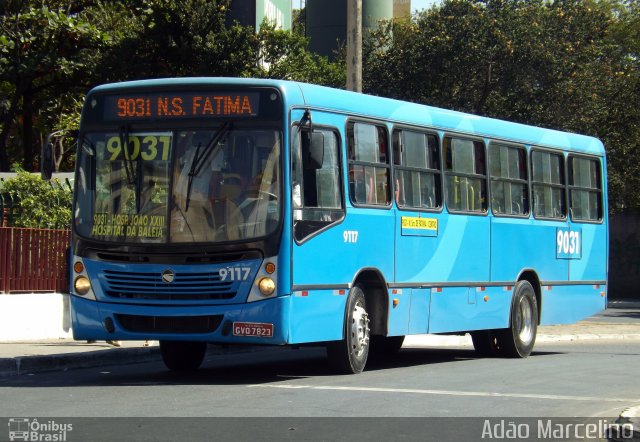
257,368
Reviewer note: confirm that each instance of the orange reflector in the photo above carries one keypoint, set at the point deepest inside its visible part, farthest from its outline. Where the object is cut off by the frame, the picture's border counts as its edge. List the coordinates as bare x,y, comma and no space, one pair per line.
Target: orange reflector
486,298
270,268
78,267
602,294
396,301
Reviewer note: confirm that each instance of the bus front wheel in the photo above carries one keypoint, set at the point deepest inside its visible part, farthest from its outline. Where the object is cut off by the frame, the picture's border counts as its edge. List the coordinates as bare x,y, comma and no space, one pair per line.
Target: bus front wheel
350,354
182,356
517,341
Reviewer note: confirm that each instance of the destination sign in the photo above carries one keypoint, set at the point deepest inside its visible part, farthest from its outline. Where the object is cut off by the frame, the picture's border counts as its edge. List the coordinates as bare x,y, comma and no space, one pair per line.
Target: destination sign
181,105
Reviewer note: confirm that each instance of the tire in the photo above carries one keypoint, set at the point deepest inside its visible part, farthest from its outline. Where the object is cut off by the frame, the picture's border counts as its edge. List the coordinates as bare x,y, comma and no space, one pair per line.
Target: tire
182,356
518,340
349,355
486,343
385,346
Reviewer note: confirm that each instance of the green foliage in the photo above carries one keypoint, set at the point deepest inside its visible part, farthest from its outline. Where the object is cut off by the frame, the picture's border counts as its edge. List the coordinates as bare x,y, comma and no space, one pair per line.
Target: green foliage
283,55
570,65
41,204
53,51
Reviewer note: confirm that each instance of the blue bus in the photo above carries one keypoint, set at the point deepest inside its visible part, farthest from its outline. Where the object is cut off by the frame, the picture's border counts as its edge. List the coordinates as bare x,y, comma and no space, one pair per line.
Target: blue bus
242,211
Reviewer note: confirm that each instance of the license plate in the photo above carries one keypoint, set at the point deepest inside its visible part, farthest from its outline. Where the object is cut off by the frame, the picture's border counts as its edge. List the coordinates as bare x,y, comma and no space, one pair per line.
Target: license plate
259,329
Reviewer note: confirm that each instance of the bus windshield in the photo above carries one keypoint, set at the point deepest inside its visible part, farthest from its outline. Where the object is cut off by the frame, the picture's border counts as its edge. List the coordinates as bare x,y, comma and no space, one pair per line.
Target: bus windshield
209,185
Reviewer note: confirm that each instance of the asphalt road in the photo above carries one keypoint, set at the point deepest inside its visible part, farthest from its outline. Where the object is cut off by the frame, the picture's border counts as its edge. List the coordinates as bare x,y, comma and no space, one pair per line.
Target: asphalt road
582,379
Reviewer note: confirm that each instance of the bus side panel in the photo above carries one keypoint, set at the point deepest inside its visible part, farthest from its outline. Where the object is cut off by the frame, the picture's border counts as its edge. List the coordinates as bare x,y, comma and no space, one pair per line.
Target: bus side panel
420,307
459,251
316,315
334,257
568,304
458,309
401,304
521,244
592,264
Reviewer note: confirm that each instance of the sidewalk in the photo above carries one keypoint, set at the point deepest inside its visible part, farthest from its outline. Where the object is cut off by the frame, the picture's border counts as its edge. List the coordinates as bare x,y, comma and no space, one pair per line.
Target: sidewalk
66,354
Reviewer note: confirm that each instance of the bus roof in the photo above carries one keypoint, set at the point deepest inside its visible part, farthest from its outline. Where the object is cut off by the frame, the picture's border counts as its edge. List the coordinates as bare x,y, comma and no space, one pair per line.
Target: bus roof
401,112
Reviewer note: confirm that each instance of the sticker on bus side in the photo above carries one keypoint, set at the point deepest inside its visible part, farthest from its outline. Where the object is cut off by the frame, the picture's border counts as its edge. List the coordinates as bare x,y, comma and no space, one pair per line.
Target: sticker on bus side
257,329
414,226
568,243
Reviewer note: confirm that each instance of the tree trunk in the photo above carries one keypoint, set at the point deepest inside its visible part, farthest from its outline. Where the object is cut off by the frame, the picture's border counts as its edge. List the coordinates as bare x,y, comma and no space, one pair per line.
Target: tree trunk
27,129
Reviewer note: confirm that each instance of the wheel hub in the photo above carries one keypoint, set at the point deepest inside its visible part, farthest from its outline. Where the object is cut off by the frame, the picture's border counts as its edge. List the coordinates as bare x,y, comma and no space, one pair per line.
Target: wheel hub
359,330
524,322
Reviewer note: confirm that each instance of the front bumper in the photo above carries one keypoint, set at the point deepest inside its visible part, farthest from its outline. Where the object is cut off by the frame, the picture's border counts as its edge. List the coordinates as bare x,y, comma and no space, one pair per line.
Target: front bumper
94,320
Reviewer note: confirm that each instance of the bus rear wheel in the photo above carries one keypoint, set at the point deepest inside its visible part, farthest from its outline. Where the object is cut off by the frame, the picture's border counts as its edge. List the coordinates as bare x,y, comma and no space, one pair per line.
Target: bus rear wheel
350,354
182,356
517,341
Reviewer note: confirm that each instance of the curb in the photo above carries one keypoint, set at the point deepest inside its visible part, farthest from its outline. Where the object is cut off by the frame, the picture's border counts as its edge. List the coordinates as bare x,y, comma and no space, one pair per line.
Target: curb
623,304
68,361
118,356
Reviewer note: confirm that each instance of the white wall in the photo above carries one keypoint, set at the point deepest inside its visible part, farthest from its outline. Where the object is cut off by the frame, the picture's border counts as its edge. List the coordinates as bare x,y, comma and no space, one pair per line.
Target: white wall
37,316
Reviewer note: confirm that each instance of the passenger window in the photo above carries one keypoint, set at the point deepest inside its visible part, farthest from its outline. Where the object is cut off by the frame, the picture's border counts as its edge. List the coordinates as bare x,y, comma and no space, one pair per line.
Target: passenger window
316,190
585,189
368,164
417,170
509,187
548,185
465,175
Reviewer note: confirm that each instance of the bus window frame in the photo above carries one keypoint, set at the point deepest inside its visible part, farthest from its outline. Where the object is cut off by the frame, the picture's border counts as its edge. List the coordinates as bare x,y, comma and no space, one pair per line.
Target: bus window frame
296,125
527,180
446,173
439,173
350,122
600,190
563,155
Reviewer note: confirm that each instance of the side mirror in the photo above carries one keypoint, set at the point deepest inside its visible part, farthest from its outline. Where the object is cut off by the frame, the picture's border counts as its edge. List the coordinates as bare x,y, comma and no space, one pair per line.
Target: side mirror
47,163
312,150
46,160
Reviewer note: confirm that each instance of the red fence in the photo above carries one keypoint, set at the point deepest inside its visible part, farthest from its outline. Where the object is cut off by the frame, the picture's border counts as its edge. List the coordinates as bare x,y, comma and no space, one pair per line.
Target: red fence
33,260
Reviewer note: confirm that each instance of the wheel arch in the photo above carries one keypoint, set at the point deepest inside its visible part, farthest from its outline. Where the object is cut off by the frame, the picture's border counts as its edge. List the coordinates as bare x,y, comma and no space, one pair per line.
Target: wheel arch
374,286
531,276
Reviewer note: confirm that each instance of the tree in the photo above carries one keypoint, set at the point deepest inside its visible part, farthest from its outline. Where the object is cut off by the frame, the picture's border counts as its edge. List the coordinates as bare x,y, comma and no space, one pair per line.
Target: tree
284,55
570,65
44,46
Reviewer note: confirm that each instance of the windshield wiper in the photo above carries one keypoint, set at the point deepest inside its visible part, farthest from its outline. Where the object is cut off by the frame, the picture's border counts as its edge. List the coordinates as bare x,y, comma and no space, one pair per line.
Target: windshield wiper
199,160
133,170
128,162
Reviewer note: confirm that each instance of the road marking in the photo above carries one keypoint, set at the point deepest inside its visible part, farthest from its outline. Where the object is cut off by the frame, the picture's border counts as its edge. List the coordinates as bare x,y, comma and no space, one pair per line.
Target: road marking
450,393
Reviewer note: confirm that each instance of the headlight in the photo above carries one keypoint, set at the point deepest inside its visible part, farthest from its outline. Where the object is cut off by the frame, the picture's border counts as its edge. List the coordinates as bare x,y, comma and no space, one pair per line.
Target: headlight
267,286
82,285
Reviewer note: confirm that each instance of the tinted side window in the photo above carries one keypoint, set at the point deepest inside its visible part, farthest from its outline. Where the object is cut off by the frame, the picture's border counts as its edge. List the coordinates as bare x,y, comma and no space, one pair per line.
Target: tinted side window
316,191
585,189
548,185
417,170
368,164
509,187
465,175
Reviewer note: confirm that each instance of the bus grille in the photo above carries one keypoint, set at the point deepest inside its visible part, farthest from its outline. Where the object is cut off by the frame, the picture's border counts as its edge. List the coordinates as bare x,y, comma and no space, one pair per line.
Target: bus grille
169,324
185,287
